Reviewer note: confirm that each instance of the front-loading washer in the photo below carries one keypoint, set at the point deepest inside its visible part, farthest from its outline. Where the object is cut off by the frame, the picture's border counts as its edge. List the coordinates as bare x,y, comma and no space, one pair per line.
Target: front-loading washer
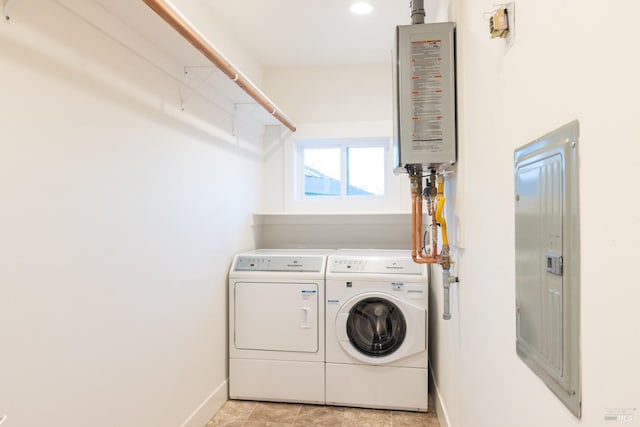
276,325
376,330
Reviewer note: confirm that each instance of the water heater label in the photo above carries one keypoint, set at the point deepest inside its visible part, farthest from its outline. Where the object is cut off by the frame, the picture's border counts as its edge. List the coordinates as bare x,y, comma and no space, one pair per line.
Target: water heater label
427,95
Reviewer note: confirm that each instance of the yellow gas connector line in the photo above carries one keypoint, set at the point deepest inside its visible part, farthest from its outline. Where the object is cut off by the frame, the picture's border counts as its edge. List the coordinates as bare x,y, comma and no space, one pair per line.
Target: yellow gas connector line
439,208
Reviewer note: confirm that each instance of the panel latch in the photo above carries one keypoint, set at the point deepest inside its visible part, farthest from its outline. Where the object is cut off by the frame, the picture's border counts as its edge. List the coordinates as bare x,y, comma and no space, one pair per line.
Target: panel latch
554,263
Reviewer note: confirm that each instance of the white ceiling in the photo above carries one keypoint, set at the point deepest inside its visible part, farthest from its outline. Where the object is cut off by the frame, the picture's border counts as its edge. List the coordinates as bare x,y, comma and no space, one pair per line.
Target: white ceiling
317,32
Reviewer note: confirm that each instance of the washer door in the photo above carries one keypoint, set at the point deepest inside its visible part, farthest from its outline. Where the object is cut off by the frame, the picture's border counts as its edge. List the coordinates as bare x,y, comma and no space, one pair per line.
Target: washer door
379,328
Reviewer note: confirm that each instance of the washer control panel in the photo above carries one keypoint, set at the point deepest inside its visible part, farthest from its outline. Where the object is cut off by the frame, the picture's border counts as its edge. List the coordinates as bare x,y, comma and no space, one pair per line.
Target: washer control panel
374,265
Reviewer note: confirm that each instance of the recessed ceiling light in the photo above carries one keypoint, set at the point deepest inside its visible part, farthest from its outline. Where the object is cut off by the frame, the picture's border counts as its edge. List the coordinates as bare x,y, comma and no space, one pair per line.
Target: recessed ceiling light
361,8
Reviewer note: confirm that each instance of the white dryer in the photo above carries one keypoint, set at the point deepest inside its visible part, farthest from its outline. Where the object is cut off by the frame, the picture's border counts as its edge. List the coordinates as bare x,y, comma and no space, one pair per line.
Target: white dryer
376,330
276,325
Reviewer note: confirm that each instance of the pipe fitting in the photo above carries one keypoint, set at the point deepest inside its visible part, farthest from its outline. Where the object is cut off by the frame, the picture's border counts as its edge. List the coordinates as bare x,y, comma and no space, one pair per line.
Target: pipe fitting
433,184
447,281
415,184
417,12
446,259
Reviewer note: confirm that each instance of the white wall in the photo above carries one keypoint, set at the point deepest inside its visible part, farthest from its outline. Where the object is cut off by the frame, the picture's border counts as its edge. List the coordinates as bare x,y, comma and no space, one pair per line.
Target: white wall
566,64
341,93
346,101
118,221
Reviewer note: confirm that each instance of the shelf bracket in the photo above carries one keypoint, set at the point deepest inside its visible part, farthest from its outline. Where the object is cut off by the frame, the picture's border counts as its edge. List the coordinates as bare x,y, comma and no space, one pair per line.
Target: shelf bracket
188,71
239,106
174,18
6,9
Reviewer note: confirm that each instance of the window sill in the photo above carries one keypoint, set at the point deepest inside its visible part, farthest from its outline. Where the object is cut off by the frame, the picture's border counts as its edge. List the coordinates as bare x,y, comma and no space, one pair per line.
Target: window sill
320,218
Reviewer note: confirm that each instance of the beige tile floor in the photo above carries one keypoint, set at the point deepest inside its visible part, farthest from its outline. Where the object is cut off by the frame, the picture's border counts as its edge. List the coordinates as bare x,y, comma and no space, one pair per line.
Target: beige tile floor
240,413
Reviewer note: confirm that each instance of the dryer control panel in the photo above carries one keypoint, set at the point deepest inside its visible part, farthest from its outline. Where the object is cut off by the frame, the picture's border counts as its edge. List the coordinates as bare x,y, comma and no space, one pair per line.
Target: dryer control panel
278,263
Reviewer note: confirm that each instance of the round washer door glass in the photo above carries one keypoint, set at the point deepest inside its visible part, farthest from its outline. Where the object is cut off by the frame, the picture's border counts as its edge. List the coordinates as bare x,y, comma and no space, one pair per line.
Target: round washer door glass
376,327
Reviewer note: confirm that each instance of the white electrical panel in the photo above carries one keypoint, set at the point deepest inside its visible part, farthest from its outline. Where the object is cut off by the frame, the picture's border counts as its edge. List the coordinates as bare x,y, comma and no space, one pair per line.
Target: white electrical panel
547,261
424,95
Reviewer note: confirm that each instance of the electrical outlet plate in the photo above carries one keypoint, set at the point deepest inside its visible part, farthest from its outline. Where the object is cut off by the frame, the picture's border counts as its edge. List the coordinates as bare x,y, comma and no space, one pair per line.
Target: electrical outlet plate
510,39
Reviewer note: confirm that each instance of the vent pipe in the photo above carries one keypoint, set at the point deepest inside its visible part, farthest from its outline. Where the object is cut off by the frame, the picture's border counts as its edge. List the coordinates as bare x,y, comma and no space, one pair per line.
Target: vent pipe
417,11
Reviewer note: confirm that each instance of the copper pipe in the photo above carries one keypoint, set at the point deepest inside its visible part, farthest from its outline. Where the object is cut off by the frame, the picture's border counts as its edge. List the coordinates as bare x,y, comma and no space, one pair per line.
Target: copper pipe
193,36
419,230
416,221
434,232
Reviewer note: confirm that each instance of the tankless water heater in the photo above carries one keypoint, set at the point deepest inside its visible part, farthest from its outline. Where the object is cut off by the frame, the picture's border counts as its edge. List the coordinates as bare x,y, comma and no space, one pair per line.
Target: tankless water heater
424,96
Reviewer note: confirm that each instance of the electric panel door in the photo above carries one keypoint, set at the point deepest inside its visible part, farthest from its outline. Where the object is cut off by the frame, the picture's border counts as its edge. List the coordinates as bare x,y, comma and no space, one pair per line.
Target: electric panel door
547,261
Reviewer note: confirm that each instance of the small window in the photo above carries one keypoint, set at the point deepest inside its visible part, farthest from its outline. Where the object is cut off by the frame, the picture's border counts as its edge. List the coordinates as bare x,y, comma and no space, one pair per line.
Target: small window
342,168
322,171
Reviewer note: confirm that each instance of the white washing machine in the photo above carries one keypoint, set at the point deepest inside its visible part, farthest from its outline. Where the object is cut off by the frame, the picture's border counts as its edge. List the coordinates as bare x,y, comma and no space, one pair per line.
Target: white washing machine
376,330
276,325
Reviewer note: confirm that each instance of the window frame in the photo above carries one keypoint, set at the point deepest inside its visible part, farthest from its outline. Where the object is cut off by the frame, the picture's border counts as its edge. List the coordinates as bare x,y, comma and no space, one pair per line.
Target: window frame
343,144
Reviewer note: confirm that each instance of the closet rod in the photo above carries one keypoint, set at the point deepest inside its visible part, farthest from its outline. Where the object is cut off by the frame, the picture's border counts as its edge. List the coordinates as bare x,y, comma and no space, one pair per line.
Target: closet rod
179,23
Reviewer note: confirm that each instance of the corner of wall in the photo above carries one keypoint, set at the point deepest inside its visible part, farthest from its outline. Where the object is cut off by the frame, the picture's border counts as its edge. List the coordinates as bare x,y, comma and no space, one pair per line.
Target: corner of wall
208,407
441,411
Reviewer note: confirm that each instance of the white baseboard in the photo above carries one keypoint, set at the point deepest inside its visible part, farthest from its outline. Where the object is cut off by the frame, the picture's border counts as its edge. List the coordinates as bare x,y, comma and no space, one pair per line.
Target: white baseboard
441,410
209,407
